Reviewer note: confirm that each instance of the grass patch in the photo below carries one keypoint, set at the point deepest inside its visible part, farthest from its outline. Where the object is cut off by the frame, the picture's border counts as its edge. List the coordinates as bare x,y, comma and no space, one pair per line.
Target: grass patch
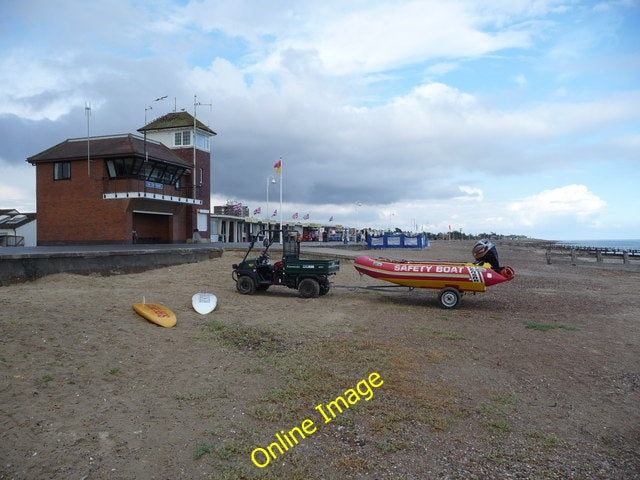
546,442
191,397
505,399
438,422
498,405
316,369
498,427
306,381
550,442
495,410
223,451
115,371
392,445
543,327
243,337
46,379
202,450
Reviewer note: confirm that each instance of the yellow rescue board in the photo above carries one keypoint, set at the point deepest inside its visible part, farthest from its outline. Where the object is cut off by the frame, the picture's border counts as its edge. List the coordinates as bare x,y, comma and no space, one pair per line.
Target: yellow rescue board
156,313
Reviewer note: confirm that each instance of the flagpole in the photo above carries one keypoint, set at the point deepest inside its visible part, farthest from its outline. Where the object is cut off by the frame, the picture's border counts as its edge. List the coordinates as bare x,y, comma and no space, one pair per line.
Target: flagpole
281,177
268,219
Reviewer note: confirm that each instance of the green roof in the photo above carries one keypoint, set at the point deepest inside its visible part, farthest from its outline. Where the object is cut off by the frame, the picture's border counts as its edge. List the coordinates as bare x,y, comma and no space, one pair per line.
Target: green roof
175,120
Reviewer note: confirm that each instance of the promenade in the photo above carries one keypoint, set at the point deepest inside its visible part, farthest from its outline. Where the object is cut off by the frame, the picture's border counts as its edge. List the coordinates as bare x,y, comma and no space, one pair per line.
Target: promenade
19,264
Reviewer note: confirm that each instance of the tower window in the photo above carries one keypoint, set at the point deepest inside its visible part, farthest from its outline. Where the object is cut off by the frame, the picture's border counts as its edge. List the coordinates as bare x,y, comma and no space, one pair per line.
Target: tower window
182,138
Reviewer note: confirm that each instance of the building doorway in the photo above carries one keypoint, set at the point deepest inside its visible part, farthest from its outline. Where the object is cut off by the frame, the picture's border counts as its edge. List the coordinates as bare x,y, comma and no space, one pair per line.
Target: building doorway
152,227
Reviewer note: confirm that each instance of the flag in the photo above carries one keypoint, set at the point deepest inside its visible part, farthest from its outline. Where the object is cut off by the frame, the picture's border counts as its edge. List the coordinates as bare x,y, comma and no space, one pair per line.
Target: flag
275,212
237,208
306,217
331,219
295,216
278,166
257,211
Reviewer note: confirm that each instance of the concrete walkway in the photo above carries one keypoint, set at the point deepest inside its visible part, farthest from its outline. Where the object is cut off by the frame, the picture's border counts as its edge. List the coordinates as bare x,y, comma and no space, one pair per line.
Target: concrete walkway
19,264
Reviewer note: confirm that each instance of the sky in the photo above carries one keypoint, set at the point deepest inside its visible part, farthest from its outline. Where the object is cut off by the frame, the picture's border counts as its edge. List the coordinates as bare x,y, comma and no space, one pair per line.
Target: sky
506,116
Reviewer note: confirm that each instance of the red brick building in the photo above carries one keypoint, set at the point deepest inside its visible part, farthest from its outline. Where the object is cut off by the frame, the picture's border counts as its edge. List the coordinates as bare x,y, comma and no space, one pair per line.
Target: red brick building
126,188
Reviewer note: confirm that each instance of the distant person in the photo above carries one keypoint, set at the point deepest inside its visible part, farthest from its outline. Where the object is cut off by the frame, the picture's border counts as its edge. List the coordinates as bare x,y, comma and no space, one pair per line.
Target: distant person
196,235
485,251
134,236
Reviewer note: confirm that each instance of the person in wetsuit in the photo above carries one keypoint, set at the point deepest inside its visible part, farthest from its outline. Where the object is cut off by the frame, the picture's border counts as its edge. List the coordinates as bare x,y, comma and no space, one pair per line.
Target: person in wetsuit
485,251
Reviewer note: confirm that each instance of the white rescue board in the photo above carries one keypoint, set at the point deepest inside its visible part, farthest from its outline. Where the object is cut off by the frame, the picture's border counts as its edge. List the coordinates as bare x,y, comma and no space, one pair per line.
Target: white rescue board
204,303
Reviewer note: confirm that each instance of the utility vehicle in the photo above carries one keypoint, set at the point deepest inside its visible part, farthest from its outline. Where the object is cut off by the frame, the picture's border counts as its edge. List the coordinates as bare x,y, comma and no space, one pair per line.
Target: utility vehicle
309,277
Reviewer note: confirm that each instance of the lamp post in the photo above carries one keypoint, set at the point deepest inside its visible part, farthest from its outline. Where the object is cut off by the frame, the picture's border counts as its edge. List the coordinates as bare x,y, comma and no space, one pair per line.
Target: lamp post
358,205
146,156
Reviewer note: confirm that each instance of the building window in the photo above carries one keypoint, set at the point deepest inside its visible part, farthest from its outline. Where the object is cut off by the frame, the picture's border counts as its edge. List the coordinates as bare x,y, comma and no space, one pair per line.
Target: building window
124,167
182,138
202,142
157,172
61,170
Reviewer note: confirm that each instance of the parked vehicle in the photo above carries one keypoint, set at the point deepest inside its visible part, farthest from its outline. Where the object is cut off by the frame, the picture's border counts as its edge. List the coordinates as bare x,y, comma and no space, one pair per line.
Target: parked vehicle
309,277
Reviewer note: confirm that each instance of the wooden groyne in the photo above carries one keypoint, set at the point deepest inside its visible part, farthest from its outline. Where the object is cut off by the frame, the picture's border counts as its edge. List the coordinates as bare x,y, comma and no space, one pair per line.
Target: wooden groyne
591,254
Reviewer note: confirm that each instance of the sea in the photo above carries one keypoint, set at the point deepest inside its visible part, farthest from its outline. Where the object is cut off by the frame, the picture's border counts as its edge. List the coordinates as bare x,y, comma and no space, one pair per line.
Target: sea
629,245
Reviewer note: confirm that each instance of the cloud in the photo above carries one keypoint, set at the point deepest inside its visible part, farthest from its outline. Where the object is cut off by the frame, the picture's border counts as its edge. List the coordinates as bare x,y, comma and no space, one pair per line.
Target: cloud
574,201
343,91
470,193
389,35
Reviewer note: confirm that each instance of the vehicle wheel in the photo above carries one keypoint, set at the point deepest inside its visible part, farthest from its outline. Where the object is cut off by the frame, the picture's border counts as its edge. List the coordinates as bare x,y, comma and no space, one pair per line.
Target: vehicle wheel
246,285
325,286
309,288
449,297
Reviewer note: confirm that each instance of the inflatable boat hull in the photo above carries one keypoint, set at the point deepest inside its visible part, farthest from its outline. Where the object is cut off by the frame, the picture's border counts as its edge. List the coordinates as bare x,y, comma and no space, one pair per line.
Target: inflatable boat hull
464,277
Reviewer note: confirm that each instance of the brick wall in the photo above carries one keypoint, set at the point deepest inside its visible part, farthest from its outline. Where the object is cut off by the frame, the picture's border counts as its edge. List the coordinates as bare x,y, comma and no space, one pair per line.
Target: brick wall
73,211
203,188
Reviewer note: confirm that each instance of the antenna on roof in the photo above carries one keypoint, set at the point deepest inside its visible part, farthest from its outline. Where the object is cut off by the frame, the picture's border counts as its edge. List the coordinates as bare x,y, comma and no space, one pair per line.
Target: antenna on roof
87,112
195,137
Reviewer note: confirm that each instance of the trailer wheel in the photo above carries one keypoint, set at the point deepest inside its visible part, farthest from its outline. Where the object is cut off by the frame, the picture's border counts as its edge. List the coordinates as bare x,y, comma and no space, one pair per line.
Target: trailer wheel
449,297
309,288
246,285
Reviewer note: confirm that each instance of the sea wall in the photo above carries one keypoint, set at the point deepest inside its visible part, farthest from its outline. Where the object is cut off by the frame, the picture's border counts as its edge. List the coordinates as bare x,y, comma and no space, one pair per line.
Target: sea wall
22,267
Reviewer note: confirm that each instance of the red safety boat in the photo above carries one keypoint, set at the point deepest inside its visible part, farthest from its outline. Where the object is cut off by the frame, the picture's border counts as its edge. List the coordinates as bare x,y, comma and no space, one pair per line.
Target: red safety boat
450,278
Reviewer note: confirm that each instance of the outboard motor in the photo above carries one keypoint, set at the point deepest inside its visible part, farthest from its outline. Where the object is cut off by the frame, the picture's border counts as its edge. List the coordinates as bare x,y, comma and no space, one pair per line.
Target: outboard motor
485,251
